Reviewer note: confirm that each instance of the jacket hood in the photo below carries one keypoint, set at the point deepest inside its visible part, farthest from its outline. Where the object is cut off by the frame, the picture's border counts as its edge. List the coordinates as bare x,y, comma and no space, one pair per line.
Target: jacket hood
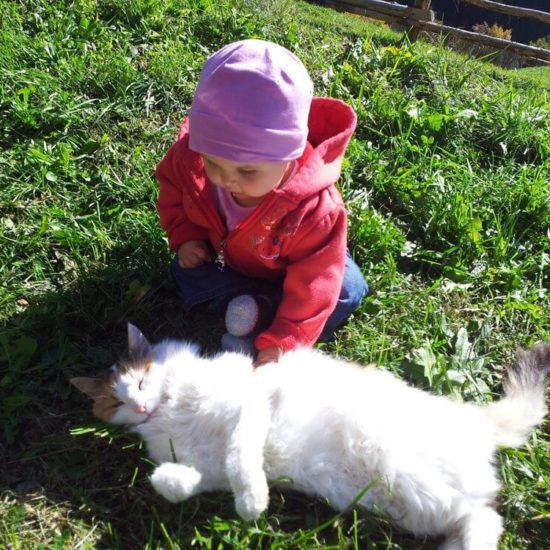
331,125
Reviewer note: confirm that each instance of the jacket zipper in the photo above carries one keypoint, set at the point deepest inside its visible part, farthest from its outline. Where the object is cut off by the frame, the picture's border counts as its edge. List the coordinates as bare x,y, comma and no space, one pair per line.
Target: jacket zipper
220,258
215,215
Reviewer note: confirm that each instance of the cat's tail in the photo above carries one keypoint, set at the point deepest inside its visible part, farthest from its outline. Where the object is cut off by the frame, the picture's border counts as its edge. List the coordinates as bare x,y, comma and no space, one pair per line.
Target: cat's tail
524,405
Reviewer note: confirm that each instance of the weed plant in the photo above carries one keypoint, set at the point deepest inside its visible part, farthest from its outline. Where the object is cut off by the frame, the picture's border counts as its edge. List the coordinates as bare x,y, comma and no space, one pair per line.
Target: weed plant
447,183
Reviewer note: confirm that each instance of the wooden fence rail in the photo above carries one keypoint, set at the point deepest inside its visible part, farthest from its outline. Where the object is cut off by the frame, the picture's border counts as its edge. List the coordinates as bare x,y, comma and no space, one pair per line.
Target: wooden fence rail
510,10
421,17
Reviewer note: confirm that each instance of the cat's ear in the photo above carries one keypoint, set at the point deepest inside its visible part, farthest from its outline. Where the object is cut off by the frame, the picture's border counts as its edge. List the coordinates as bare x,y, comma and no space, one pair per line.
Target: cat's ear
138,346
92,387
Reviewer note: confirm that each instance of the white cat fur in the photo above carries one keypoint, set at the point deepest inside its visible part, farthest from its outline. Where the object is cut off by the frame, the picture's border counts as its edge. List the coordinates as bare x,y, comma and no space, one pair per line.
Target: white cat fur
334,428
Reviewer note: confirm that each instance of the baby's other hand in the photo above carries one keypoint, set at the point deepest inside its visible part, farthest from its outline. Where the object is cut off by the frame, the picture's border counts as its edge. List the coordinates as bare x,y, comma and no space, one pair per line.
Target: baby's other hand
193,254
268,355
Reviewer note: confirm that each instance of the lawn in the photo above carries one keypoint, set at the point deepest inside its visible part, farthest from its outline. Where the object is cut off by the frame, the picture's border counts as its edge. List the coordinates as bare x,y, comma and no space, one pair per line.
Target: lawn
539,76
447,184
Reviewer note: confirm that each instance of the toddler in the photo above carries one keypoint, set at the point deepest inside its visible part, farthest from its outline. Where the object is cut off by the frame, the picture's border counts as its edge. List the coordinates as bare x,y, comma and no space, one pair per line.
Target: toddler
248,200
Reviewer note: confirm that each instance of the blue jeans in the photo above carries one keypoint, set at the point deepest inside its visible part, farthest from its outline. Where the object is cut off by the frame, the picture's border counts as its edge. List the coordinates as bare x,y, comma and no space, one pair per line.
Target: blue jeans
211,283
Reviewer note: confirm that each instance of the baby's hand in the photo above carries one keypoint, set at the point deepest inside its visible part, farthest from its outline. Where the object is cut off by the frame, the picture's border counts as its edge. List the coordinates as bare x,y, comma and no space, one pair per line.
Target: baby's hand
268,355
193,254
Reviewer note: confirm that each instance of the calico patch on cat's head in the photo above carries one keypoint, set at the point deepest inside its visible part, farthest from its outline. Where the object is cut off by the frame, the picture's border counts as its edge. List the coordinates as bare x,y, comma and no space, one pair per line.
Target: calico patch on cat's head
130,392
101,390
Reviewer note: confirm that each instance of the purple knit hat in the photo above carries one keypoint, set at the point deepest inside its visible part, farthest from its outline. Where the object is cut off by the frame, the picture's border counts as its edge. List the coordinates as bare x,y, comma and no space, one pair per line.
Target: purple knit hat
251,104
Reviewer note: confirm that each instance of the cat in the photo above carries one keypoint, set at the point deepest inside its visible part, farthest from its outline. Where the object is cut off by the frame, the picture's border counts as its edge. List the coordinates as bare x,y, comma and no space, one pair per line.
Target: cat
335,429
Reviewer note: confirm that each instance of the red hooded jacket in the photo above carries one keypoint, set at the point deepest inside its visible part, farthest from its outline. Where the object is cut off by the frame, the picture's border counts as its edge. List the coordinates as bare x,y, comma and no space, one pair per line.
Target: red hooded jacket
297,232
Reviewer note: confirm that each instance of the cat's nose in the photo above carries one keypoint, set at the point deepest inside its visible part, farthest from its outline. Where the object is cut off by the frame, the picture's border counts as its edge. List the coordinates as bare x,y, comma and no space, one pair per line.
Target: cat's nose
140,409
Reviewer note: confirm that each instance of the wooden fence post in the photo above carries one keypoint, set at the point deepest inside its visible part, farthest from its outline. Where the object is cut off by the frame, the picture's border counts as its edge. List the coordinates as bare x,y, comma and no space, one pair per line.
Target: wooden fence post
413,32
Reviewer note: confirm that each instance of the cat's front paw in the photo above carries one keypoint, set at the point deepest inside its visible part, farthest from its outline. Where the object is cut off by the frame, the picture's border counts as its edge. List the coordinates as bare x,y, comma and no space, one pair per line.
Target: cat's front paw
175,482
251,504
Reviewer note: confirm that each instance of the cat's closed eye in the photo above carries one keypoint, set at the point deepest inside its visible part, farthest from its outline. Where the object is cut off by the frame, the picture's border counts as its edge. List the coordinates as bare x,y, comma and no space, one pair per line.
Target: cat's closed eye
117,404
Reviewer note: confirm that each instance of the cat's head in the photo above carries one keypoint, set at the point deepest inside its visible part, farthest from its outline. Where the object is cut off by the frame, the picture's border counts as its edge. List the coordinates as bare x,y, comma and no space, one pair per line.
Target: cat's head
130,392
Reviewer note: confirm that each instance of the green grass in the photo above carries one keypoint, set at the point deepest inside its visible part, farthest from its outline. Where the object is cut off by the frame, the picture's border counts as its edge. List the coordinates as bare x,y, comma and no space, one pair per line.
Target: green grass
447,186
538,76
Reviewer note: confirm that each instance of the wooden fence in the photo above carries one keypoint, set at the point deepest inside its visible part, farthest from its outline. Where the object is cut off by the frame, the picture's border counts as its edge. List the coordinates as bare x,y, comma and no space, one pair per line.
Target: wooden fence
421,18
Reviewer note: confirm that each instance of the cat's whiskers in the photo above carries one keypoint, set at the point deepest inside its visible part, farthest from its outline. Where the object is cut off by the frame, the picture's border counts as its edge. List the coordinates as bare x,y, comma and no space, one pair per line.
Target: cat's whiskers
148,417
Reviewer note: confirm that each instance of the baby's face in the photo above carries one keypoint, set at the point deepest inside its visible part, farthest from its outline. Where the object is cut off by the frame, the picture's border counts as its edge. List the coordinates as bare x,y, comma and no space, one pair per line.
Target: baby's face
248,183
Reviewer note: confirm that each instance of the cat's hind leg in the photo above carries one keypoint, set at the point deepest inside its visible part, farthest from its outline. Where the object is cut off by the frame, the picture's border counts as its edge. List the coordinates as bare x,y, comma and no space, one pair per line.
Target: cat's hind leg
176,482
478,530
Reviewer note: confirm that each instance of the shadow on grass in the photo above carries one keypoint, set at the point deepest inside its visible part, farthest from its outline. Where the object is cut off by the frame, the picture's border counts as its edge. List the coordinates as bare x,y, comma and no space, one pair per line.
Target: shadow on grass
80,332
71,474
